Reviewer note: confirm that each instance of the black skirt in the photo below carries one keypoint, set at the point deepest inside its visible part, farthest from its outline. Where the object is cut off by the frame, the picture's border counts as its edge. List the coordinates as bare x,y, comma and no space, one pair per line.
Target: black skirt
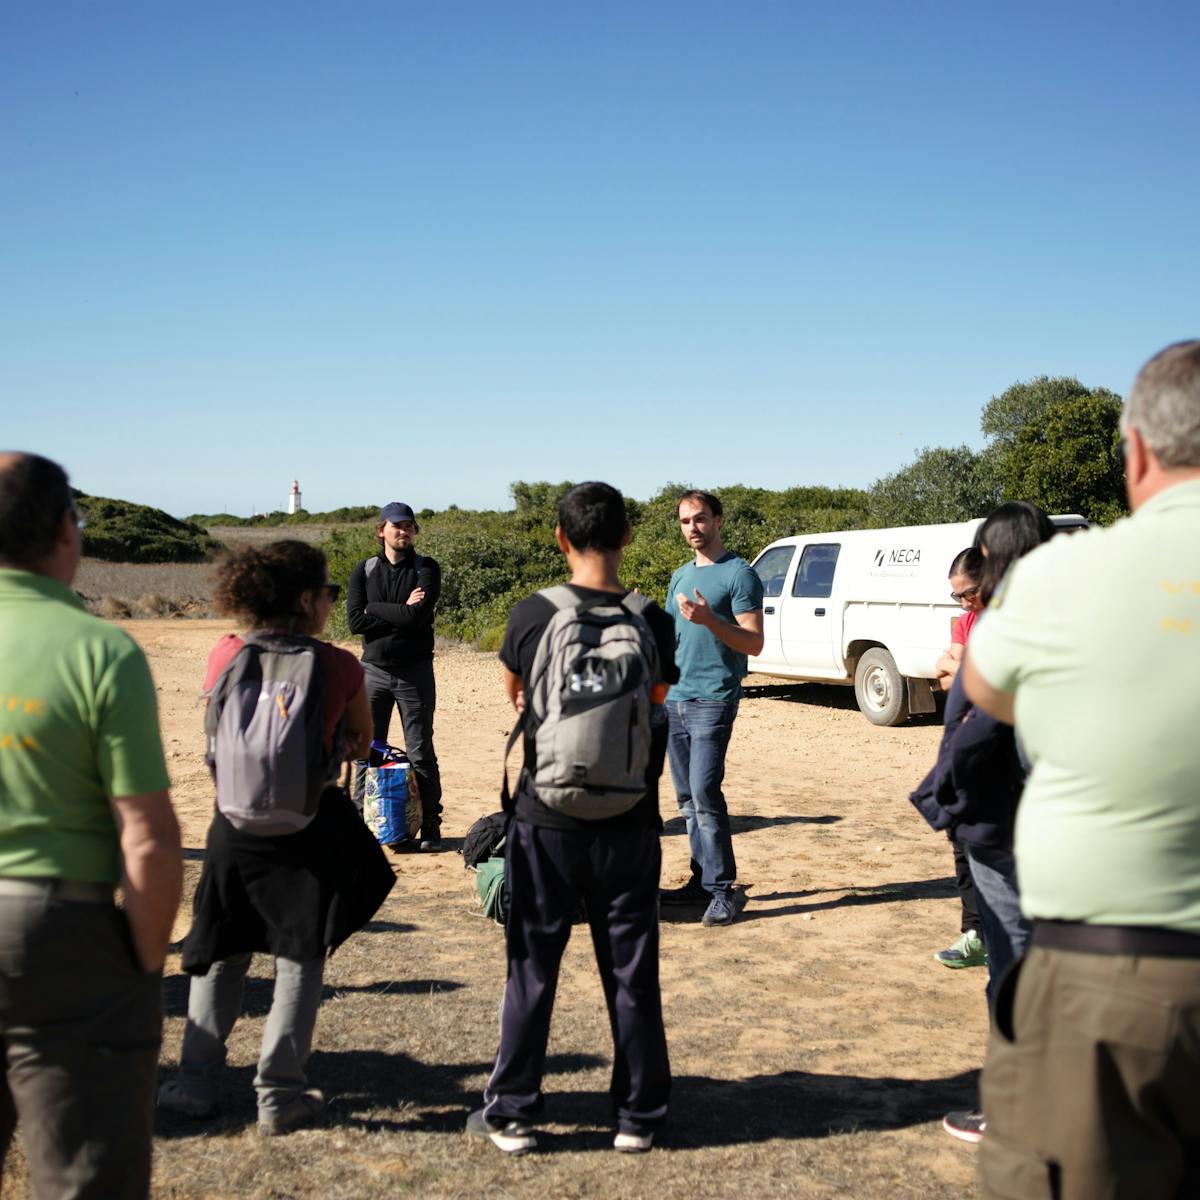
298,896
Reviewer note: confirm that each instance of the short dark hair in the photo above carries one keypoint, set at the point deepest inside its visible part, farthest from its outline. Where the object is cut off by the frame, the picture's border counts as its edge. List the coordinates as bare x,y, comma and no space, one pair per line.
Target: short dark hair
1008,533
34,494
266,582
968,562
592,515
706,498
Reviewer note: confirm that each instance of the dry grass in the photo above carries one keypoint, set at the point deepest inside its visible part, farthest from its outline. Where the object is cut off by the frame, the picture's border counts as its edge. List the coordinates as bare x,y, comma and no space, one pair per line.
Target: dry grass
406,1038
119,590
405,1041
257,535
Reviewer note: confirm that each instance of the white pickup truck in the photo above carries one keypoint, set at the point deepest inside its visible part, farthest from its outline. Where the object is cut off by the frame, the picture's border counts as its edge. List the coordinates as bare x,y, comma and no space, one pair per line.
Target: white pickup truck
869,607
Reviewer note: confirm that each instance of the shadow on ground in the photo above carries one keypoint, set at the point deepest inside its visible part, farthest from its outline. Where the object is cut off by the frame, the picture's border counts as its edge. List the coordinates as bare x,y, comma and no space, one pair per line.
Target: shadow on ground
396,1093
750,822
256,1000
370,1090
823,695
756,906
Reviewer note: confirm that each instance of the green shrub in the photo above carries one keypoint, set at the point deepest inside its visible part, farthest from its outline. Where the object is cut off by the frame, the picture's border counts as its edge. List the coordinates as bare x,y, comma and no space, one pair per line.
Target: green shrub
490,560
119,531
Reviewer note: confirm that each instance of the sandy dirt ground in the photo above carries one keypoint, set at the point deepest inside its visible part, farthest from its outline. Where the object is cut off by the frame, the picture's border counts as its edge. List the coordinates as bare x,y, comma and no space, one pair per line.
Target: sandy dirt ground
823,995
815,1044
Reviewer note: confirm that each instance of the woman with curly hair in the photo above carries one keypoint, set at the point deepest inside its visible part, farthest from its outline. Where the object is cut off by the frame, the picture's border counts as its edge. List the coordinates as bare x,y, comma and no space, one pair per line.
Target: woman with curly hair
295,896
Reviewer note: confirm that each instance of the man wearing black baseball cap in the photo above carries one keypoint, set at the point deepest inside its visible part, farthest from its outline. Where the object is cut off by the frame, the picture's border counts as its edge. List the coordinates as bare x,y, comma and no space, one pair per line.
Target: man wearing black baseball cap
390,601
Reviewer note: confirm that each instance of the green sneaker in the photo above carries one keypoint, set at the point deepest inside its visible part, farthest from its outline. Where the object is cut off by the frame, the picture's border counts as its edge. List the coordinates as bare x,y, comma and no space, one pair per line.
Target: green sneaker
968,951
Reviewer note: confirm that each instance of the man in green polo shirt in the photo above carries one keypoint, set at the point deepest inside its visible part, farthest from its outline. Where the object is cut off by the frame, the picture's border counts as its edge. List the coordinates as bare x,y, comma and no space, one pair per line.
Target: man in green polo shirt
1092,1083
83,807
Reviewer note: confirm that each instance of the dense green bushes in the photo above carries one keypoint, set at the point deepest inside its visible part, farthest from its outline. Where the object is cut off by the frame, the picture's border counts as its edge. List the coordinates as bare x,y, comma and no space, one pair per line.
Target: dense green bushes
118,531
490,560
337,516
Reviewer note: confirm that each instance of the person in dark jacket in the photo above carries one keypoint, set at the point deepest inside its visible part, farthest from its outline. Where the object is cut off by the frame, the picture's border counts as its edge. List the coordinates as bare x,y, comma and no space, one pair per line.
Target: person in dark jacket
975,785
390,603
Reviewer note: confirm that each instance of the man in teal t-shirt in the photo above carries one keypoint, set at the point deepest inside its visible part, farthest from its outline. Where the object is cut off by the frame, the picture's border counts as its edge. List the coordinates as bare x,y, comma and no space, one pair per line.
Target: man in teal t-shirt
83,807
716,600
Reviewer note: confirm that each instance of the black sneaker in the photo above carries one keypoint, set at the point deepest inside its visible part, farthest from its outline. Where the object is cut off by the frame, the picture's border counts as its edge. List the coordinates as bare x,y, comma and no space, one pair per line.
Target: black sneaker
692,892
966,1126
513,1137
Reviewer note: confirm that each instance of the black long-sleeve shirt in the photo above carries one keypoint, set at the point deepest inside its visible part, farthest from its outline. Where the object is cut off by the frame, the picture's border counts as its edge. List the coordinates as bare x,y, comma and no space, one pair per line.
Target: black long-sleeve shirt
394,633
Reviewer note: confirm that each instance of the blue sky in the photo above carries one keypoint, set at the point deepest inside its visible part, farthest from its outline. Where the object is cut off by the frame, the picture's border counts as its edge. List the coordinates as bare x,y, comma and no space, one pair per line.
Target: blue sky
417,251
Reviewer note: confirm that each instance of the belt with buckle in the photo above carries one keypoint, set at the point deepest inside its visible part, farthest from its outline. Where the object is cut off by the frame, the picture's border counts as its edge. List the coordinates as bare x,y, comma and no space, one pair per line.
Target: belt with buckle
1138,941
58,889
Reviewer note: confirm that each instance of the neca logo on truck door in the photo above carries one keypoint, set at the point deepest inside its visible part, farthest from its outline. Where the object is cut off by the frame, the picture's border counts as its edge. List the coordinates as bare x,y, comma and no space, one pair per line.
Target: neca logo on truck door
897,557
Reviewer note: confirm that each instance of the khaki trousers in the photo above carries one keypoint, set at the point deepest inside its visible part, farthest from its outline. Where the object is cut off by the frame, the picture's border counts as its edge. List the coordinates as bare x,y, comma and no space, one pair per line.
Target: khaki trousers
1092,1082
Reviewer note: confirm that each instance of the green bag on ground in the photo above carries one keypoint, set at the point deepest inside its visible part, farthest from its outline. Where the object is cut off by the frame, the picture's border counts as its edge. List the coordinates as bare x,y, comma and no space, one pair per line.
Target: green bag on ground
489,883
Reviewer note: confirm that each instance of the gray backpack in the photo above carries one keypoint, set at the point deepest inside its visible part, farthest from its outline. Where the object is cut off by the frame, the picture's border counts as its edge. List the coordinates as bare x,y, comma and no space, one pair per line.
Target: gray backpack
587,705
266,745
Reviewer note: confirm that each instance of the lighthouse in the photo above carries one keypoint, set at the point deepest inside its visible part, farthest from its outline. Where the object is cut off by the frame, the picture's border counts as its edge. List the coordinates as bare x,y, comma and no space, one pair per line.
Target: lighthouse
294,504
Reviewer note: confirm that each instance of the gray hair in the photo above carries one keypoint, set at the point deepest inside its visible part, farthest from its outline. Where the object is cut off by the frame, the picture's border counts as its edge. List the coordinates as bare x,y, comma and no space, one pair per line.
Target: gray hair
1164,405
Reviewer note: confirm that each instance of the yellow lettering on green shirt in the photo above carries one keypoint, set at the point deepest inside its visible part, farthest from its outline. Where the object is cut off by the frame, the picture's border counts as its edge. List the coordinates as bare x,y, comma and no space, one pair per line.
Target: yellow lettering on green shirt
6,741
29,743
1170,625
34,708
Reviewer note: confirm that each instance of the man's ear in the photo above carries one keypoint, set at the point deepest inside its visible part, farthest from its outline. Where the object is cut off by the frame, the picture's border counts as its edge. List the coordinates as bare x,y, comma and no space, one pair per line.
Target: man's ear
1137,455
561,539
626,536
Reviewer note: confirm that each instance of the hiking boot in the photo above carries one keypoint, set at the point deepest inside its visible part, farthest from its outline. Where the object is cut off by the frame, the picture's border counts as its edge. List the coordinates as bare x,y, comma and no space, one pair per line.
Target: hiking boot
720,911
513,1137
173,1097
968,951
431,842
633,1143
306,1109
692,892
966,1126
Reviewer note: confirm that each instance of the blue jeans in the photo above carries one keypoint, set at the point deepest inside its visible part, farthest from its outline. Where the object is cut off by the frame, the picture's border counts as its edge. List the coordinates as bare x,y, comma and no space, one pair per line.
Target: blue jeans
1005,928
698,738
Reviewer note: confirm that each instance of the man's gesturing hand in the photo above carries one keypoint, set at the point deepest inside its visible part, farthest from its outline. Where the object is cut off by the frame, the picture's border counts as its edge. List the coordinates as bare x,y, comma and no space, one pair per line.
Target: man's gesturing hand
696,611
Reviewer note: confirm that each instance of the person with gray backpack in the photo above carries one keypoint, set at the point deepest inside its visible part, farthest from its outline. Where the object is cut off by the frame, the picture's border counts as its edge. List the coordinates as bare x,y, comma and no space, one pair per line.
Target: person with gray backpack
290,869
586,666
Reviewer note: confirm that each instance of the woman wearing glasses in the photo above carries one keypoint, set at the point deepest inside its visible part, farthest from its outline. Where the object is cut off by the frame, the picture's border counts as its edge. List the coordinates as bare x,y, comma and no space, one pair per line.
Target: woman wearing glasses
975,786
295,896
965,573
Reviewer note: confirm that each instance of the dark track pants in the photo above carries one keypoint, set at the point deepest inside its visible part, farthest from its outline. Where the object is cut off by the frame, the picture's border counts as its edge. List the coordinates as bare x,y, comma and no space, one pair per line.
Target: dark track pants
616,874
966,890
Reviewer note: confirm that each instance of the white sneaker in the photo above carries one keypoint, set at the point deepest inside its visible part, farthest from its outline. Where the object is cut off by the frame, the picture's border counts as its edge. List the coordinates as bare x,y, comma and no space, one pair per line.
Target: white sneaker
633,1143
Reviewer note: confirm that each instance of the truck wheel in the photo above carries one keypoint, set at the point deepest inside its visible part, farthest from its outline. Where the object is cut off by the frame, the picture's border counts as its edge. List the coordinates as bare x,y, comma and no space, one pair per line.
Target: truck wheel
879,688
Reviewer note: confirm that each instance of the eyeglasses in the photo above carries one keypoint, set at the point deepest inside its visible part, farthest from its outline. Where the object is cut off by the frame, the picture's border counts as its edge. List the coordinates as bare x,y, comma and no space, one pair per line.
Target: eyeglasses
333,590
966,594
80,523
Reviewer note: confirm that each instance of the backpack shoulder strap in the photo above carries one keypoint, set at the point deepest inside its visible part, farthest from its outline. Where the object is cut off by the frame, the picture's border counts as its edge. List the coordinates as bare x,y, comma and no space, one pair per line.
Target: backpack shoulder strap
637,602
560,596
370,565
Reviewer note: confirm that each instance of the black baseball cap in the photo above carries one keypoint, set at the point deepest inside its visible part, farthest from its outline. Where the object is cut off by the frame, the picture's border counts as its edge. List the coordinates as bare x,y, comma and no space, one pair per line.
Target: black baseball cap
396,512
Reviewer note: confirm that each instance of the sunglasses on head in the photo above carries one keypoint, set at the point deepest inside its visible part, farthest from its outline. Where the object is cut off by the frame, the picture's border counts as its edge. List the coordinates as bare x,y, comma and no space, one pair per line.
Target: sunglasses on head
965,594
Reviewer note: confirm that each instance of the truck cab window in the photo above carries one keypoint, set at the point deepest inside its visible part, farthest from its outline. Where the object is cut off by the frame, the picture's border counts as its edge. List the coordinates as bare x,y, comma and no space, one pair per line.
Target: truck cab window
772,567
814,576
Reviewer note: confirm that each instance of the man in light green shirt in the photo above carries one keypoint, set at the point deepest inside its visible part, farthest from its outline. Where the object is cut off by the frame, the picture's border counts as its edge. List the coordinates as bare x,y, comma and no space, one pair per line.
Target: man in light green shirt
83,807
1092,647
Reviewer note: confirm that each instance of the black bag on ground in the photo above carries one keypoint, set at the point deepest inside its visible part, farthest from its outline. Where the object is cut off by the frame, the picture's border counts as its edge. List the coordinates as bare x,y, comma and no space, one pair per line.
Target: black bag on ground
484,839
